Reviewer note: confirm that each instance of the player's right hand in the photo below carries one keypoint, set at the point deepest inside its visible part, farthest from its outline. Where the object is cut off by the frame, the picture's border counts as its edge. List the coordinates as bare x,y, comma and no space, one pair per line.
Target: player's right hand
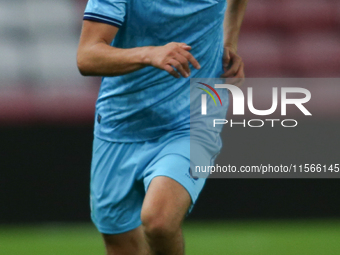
173,58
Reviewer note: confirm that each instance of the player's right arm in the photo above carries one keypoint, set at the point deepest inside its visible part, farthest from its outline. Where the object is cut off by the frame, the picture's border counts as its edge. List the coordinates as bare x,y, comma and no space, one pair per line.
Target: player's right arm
96,57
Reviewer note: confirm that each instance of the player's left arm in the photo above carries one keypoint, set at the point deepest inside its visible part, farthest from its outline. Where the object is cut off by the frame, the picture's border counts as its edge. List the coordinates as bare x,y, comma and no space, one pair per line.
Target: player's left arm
232,63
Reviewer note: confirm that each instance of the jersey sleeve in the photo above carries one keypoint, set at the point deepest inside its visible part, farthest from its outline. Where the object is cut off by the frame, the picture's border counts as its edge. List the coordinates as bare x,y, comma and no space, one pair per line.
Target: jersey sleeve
110,12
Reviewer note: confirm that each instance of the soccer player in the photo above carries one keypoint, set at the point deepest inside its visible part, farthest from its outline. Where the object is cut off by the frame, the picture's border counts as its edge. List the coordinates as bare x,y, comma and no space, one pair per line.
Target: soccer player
147,51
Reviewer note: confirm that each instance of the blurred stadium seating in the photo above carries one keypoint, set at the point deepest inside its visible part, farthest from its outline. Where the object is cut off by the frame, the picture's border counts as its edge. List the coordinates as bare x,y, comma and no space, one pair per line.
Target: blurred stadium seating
279,39
38,42
291,38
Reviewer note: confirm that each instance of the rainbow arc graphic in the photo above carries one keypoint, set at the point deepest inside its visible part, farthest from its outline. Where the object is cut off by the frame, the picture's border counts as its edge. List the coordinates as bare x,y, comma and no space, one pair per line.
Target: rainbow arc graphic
209,93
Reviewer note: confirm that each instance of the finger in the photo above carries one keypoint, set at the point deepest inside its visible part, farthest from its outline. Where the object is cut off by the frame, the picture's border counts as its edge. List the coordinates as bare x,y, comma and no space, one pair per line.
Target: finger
178,67
237,81
236,63
239,78
171,71
240,72
184,46
226,58
190,58
224,75
184,62
240,82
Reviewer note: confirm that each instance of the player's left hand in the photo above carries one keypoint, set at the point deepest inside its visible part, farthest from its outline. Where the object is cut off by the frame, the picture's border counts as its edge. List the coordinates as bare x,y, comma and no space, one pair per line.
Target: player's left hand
233,66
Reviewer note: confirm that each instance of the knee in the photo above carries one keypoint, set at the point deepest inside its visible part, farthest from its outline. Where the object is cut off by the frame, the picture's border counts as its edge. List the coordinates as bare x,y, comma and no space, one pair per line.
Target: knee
159,226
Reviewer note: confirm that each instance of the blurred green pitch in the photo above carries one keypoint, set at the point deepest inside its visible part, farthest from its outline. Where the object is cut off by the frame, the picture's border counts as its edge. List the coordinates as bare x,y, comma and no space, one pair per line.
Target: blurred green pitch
217,238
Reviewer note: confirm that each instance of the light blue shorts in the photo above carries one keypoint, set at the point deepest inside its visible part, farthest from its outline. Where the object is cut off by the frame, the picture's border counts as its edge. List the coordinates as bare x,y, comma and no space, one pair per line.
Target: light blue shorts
122,172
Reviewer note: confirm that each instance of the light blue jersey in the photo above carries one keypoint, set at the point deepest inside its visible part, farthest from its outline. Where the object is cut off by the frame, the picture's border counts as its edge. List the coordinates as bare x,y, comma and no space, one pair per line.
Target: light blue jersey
148,103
